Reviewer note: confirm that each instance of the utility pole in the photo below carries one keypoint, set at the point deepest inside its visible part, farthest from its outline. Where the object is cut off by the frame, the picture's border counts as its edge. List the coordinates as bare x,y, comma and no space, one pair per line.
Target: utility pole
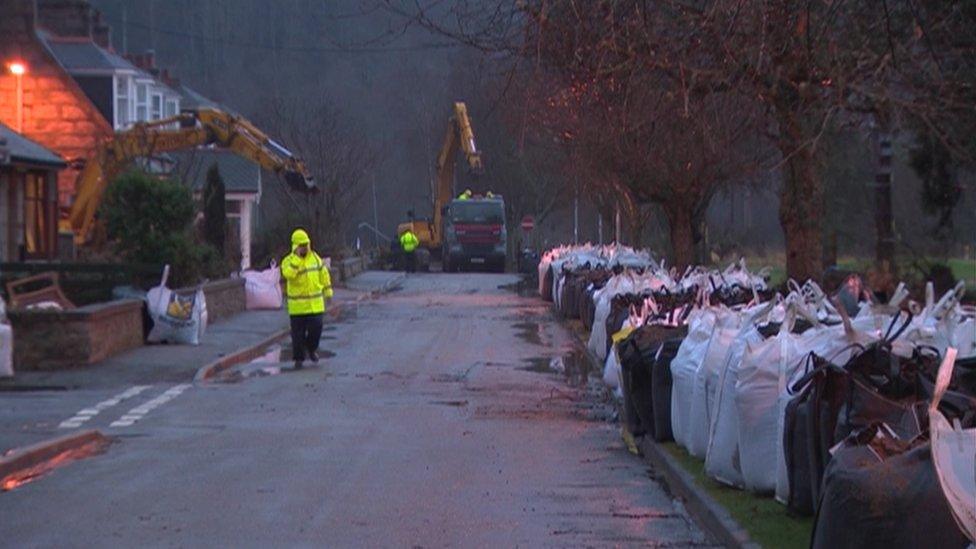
599,227
616,224
125,28
576,219
376,242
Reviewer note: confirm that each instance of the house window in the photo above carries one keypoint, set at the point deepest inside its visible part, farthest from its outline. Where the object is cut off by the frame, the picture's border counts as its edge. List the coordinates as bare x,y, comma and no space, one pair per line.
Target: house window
142,102
122,114
39,223
172,106
157,106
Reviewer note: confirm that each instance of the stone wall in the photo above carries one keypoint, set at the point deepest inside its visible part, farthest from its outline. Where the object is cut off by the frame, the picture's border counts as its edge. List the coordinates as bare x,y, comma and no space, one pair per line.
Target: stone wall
225,298
45,340
345,269
57,113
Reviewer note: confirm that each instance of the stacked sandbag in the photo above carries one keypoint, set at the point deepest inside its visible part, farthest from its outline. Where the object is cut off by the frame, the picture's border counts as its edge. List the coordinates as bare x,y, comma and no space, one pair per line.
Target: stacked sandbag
790,396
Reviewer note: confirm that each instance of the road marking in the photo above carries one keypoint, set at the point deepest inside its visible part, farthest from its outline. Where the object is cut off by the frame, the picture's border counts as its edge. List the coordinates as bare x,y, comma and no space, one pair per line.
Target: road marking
140,411
87,413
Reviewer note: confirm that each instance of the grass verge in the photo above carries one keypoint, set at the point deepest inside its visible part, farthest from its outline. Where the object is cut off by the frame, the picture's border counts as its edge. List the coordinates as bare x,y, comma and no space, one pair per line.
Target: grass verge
766,520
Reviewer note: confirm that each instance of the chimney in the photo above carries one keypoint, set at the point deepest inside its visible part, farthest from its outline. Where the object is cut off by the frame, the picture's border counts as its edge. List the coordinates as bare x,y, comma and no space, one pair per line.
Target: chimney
66,18
16,26
101,33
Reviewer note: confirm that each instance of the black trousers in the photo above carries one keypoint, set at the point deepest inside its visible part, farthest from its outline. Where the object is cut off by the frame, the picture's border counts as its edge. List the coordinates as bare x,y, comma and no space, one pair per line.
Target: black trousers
410,262
306,331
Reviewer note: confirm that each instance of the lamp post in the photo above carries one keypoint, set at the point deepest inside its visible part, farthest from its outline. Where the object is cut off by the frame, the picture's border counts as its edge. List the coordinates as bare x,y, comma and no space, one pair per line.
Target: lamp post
18,69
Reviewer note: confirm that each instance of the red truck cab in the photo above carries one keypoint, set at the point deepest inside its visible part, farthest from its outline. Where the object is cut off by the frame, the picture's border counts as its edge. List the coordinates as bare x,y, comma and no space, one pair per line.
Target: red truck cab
475,236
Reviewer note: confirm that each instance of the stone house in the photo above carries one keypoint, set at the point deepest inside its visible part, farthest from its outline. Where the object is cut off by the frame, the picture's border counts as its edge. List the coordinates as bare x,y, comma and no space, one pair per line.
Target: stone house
44,103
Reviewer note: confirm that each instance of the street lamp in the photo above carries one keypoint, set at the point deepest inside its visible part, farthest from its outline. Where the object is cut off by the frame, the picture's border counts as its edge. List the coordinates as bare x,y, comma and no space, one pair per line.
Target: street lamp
18,69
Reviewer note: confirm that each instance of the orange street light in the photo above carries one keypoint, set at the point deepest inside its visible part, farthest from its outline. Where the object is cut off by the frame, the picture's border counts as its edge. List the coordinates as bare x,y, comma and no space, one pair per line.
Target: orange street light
18,68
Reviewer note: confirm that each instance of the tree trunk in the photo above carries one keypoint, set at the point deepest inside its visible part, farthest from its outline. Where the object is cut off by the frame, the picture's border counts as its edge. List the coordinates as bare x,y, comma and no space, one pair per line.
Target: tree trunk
800,214
681,223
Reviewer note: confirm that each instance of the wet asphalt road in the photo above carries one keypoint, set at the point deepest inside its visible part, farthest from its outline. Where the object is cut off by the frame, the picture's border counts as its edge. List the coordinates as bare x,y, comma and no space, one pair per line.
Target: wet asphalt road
436,424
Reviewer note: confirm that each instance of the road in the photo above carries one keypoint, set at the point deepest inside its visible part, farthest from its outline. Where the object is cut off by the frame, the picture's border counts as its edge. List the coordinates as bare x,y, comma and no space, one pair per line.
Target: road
436,423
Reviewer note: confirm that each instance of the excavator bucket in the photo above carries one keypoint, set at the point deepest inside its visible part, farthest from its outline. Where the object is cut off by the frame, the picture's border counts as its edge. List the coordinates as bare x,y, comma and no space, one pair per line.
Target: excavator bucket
299,182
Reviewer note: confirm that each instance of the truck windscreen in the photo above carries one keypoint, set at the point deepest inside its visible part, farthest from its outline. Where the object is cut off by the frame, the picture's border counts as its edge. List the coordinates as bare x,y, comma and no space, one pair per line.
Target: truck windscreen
477,212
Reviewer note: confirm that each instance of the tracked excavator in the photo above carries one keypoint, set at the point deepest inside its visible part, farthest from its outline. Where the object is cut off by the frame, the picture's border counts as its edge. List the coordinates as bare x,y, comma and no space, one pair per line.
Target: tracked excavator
463,232
187,130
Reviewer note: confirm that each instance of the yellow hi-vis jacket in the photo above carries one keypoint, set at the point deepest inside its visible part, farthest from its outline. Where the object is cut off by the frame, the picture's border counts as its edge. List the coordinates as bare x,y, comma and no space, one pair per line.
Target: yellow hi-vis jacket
307,279
409,241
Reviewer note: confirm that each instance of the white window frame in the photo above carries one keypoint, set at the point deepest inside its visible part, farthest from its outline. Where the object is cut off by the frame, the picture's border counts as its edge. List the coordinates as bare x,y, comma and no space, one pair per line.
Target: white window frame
142,104
154,112
171,107
122,117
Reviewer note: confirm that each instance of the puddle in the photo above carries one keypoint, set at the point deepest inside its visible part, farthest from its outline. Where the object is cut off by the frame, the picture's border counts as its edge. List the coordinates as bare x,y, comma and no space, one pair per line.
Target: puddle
283,353
454,403
574,366
525,287
28,388
530,332
22,477
276,360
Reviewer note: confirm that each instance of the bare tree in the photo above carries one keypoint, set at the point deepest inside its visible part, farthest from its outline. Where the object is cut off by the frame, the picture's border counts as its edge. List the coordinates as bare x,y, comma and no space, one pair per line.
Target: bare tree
339,158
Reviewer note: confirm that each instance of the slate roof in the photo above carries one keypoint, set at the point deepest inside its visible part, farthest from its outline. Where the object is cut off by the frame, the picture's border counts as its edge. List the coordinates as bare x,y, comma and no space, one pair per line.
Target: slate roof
192,99
240,174
85,56
23,150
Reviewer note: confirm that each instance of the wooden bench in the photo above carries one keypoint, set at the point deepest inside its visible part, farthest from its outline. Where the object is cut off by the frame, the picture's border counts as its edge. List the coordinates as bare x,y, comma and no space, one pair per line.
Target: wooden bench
36,289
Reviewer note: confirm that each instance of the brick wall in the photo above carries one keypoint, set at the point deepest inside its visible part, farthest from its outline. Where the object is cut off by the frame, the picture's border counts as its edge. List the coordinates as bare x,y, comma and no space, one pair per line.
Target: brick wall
45,340
57,114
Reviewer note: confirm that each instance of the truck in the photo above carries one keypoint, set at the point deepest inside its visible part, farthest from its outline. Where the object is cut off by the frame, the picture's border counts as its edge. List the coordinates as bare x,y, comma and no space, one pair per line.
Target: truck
475,235
466,232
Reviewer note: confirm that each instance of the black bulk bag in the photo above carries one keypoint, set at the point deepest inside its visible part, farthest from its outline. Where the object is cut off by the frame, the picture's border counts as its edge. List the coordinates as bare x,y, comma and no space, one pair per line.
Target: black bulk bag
638,354
661,384
883,492
629,355
548,279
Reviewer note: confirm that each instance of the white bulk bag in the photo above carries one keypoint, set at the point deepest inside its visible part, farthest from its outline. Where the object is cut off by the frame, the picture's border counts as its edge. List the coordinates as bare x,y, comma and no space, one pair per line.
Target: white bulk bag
954,455
690,354
722,459
178,317
619,284
726,330
6,343
262,289
764,374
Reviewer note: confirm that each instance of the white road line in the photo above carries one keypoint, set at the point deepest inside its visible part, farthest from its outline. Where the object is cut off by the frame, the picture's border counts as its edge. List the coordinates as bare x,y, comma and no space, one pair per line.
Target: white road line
87,413
140,411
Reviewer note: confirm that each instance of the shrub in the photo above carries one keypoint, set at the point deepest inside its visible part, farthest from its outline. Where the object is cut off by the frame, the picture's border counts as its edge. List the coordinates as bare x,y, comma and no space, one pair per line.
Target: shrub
215,211
149,221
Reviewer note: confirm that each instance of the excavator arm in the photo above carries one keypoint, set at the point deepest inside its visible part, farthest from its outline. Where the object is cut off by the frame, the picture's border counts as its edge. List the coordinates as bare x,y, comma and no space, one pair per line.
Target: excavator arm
192,129
459,137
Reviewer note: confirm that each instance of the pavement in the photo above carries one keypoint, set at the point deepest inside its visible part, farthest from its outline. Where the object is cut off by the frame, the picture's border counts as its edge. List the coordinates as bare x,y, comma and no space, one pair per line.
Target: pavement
451,412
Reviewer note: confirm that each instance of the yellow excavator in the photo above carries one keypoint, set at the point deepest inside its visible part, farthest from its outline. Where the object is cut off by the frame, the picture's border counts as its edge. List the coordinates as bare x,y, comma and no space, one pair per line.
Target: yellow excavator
186,130
468,231
459,136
